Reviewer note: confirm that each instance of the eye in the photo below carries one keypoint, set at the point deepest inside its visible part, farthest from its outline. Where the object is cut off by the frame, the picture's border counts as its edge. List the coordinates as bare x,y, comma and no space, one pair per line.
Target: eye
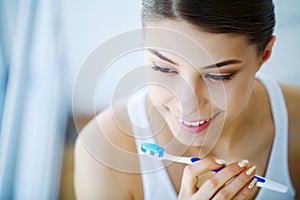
163,69
220,77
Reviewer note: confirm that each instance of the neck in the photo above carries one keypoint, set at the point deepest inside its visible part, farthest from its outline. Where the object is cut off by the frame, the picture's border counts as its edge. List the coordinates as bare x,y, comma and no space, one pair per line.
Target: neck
237,136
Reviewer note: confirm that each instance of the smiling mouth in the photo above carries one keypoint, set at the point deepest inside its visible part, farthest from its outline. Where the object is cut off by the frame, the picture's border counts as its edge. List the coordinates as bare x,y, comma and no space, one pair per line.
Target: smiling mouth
195,126
194,123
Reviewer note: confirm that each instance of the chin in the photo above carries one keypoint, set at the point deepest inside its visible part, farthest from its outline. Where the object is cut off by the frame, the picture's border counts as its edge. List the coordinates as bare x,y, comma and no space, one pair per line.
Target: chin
196,141
205,139
186,138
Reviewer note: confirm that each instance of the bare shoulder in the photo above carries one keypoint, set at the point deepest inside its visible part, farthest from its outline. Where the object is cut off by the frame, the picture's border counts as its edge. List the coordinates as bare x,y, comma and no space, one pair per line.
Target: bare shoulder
106,163
292,98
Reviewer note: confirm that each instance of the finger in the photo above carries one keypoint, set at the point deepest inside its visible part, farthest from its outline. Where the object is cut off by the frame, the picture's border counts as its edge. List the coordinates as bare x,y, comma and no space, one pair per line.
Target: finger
247,190
234,187
215,182
192,171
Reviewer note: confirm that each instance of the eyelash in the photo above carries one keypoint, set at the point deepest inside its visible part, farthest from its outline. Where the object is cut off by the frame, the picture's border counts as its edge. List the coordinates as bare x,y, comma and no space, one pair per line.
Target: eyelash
214,77
220,77
162,69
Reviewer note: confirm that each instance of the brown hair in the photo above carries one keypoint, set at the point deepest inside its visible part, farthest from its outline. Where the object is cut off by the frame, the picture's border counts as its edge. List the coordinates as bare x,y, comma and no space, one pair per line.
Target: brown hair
253,18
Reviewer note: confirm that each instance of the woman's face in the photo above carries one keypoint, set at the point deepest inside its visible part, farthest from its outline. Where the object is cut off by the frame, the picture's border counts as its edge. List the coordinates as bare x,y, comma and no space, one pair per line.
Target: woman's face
200,92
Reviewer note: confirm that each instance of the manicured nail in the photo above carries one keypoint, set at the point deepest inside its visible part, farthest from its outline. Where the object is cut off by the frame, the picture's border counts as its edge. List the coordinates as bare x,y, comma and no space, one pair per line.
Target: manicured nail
250,170
243,163
220,161
252,183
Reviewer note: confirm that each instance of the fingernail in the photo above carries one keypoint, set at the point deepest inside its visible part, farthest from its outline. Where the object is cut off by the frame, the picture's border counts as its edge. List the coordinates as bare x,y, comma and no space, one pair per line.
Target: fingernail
250,170
252,183
220,161
243,163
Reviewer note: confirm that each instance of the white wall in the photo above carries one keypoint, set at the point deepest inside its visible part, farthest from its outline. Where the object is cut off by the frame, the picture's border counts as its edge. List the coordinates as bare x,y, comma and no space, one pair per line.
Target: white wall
284,64
89,24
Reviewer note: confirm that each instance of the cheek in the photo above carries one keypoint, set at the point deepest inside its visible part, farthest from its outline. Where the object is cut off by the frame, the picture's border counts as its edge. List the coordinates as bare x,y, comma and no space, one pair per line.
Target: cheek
161,88
238,97
159,95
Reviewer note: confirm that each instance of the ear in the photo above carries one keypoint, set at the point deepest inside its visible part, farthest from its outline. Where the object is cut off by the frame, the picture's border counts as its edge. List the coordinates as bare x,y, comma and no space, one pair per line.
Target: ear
267,52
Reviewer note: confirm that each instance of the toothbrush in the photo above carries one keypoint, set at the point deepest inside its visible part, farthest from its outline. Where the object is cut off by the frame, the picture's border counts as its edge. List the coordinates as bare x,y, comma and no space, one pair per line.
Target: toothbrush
158,152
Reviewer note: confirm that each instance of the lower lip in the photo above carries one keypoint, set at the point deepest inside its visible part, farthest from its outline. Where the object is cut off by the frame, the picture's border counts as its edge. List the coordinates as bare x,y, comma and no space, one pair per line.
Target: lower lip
196,129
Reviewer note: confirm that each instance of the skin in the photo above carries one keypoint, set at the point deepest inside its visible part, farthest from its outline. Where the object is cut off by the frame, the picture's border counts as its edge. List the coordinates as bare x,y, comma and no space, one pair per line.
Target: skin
100,175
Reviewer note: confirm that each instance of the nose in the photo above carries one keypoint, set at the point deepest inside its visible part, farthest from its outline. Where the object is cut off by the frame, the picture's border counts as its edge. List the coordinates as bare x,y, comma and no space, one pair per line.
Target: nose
193,96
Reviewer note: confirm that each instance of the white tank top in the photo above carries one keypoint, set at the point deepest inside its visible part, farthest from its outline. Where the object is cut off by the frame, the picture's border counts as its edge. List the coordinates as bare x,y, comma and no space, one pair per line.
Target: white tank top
156,182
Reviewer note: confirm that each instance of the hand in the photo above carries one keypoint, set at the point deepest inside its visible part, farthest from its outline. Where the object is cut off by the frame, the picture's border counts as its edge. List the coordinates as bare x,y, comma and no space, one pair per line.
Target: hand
232,182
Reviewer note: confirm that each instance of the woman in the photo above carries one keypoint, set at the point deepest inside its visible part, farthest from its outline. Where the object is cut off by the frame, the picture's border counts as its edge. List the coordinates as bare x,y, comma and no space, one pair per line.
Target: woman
206,103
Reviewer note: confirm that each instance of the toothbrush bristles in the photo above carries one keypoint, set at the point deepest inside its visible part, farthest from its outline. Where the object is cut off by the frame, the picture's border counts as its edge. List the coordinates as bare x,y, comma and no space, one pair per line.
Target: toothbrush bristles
152,149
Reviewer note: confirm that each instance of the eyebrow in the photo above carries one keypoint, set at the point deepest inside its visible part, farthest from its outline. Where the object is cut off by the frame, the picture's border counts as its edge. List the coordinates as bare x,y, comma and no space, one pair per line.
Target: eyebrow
222,64
216,65
156,53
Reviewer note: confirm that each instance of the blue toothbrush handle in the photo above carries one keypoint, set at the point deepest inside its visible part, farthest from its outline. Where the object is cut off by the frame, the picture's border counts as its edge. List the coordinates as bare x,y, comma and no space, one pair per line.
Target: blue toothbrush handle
259,179
215,170
158,152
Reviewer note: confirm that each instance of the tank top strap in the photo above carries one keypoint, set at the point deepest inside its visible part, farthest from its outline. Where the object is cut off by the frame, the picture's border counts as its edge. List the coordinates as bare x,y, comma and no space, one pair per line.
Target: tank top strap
155,178
277,169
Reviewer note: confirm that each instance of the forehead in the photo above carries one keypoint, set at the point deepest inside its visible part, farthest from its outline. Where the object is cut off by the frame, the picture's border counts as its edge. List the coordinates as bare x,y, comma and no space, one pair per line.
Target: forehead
187,41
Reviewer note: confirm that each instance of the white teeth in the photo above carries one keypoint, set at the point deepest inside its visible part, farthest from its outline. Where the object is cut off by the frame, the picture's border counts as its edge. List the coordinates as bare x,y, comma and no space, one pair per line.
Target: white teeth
187,123
202,122
192,123
195,123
